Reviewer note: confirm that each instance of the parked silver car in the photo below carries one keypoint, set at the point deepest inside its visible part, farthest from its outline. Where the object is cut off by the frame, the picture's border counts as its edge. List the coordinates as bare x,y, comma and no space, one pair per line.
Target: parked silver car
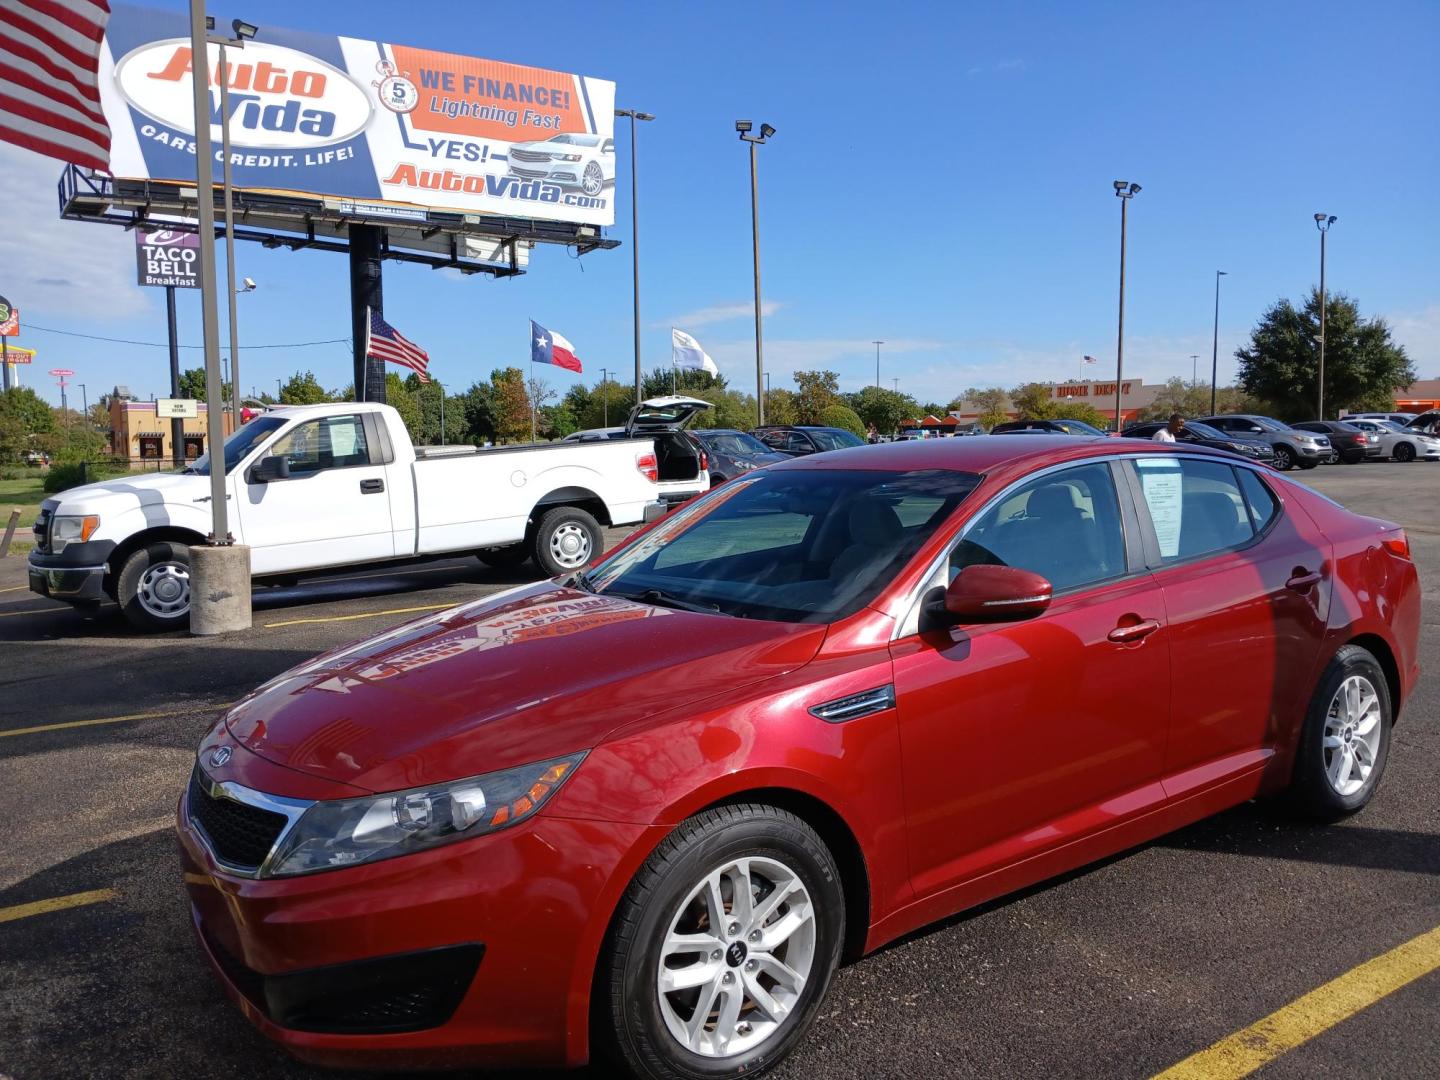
1397,442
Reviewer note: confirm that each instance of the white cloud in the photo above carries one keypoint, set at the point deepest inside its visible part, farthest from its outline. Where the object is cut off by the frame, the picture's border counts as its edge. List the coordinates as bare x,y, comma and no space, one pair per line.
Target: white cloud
56,267
719,313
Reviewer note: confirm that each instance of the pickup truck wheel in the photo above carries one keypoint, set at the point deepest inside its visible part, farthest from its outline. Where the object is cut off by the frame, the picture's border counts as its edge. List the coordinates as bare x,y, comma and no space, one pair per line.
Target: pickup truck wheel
504,558
154,587
565,539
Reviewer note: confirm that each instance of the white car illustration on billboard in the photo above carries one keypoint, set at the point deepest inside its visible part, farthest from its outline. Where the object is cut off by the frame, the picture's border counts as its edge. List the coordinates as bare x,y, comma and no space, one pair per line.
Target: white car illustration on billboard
574,160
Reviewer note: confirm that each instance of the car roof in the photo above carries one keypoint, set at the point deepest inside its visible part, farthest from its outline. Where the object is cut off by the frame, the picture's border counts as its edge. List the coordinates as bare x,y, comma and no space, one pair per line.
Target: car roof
982,455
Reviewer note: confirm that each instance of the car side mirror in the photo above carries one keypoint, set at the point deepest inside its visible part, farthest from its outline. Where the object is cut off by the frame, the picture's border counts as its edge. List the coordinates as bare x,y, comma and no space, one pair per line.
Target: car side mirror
270,468
992,594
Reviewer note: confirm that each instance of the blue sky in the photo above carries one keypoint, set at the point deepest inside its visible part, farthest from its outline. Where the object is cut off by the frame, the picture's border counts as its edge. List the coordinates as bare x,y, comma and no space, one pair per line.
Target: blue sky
941,179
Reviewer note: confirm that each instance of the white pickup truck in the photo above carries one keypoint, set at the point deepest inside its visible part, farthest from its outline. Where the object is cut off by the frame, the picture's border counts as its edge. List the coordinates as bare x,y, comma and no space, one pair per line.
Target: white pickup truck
315,487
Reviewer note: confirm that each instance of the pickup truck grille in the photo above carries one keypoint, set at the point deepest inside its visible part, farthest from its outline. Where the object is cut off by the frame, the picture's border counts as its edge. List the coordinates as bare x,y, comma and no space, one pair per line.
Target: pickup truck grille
530,155
42,532
240,835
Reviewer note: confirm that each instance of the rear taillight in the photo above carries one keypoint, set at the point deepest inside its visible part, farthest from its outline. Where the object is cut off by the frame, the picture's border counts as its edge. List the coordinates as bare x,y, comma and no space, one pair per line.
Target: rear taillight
647,467
704,461
1358,439
1397,543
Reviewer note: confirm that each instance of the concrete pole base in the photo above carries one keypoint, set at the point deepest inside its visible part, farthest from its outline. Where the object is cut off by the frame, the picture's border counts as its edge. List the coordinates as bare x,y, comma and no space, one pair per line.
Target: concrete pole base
219,589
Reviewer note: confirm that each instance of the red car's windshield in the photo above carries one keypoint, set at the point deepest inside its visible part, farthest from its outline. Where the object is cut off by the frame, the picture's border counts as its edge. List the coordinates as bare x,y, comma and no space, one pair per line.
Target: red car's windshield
794,545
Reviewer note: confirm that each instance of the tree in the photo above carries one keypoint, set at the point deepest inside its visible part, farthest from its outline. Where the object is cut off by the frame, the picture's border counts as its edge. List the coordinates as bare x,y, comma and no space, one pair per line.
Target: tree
882,408
990,402
192,385
28,409
1363,366
302,389
1082,411
842,416
99,416
539,392
692,382
509,404
399,398
1032,401
1193,399
817,391
781,407
477,408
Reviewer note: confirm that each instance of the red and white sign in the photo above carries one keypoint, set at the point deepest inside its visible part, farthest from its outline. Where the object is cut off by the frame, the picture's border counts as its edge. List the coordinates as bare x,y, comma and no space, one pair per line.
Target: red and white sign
9,319
61,372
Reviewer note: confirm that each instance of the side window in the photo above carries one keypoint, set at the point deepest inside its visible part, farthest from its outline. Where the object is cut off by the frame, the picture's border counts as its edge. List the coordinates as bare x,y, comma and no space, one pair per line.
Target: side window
796,441
334,442
1260,501
1196,506
1064,526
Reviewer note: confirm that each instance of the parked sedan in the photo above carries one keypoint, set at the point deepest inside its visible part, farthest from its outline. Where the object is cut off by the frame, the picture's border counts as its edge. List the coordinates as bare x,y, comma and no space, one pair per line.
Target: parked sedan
800,439
1056,427
1397,442
1305,449
734,452
1349,443
641,812
1204,435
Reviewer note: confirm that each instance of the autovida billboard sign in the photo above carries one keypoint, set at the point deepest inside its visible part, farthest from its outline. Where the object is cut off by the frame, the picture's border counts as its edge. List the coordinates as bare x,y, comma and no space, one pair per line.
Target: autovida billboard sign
320,115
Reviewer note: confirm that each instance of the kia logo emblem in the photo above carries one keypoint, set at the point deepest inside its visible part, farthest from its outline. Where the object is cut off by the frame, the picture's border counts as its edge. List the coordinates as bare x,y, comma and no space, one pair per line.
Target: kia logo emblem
220,756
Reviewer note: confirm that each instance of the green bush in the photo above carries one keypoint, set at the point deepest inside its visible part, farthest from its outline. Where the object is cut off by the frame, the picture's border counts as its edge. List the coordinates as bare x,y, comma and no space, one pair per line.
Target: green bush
842,416
65,475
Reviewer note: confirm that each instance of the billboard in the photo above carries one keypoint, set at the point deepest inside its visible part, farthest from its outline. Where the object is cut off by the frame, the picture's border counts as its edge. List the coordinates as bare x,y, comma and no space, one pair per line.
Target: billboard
321,115
168,258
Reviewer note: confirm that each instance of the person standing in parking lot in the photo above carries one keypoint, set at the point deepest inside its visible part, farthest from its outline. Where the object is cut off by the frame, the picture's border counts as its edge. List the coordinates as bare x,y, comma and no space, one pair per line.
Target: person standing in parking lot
1170,430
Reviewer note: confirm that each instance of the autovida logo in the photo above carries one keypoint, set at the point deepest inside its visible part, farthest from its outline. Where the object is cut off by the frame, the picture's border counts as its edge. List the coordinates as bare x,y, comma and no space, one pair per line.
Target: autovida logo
279,98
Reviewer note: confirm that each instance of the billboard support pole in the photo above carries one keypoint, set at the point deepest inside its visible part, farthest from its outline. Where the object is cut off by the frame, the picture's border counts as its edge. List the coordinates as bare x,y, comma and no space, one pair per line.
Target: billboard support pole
219,578
177,426
231,403
366,294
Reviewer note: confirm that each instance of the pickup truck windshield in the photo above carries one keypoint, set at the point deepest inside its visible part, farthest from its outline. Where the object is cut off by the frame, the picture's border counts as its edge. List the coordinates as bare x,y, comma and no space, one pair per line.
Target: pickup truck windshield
800,545
240,444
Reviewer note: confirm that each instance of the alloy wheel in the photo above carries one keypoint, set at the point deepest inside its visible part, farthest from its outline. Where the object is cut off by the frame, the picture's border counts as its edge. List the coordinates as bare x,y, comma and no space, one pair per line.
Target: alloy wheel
1352,735
593,179
736,957
164,590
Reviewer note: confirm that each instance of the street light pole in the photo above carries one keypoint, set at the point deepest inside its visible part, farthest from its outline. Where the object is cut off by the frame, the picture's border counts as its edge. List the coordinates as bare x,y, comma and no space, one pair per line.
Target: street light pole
877,363
605,395
1194,370
635,236
1323,223
1125,192
1215,342
743,127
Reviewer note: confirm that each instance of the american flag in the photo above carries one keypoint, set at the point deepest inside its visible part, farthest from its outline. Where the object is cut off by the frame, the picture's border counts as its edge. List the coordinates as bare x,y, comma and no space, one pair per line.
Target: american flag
49,65
1091,360
384,342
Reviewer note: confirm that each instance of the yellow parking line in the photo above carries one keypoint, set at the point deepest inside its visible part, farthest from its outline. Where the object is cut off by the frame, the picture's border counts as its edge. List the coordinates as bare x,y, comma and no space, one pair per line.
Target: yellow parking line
15,588
1245,1051
362,615
385,574
34,611
103,720
58,903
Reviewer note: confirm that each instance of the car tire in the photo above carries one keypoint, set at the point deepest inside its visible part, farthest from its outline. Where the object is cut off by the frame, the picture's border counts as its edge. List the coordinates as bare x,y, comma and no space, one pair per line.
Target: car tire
565,539
153,587
651,1032
1404,452
1284,458
1338,722
505,558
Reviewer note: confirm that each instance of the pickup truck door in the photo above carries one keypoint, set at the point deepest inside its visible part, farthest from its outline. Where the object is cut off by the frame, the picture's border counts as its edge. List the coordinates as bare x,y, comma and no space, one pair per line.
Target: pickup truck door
332,510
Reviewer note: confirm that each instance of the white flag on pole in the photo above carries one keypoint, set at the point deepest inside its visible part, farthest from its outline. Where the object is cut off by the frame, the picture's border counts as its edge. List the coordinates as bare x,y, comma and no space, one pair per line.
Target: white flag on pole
685,352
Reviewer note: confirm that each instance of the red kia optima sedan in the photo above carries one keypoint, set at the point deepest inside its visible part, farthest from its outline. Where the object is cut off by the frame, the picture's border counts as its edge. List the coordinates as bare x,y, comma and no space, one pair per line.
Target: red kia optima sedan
643,812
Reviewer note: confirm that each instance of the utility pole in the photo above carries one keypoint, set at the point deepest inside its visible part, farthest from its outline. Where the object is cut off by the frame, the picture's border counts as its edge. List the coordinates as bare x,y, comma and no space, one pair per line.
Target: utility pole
1125,191
1323,223
605,394
743,127
1215,343
635,237
877,363
1194,369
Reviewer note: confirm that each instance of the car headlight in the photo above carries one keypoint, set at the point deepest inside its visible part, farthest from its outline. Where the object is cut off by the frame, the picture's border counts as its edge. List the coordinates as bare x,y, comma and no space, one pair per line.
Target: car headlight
71,530
346,832
566,157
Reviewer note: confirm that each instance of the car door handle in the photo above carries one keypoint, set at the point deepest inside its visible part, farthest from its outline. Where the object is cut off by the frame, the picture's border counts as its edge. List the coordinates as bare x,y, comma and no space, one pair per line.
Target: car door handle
371,487
1302,580
1133,631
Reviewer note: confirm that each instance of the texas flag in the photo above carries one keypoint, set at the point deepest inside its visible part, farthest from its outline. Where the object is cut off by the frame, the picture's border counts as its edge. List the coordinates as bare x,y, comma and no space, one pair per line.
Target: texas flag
551,348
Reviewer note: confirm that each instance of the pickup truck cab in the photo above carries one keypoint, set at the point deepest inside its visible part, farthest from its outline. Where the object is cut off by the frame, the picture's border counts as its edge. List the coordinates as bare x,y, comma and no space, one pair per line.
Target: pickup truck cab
312,488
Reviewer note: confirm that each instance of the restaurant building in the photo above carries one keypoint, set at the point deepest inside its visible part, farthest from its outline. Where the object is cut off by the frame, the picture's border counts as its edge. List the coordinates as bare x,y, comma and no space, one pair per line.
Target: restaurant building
139,433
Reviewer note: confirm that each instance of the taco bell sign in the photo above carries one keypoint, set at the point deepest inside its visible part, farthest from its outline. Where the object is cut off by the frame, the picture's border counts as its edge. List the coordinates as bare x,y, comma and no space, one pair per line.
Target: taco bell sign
167,257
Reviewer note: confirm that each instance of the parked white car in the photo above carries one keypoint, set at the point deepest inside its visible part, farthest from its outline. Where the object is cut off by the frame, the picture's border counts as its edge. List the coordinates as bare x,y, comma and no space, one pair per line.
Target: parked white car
1398,442
572,160
312,488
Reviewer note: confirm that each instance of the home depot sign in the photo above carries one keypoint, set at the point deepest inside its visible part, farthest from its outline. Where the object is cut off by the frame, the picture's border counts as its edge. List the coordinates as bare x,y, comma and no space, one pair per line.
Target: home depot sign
1091,389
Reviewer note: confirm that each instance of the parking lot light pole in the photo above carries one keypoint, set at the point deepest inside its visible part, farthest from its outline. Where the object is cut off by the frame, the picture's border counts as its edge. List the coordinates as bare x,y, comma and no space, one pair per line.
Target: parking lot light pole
743,127
1323,223
877,363
635,236
1125,191
219,574
1215,342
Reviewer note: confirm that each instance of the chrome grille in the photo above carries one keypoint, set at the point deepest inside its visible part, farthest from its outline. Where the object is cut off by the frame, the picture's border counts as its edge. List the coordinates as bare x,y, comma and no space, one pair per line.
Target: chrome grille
529,155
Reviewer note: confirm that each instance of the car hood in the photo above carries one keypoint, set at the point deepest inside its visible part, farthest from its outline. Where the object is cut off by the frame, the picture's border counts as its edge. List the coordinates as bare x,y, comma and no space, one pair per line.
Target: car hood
143,489
526,675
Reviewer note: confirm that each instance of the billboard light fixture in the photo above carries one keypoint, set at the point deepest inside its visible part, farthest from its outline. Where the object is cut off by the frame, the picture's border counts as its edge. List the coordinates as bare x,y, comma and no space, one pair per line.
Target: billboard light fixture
766,131
244,30
743,126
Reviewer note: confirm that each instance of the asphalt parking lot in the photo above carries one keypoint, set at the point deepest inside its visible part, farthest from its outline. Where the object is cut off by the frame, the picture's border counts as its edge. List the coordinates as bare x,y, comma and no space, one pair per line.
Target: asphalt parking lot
1123,970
